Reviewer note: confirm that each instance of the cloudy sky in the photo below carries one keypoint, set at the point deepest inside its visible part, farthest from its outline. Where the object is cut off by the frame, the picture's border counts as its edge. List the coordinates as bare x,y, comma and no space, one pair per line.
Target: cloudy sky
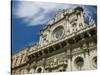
29,17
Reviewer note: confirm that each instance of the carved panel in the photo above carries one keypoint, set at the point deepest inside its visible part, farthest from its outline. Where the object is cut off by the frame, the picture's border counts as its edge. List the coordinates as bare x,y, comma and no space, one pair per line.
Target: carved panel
56,60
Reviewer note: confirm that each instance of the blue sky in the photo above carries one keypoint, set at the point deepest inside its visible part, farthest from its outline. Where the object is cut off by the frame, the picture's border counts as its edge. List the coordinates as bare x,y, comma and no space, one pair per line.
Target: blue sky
28,18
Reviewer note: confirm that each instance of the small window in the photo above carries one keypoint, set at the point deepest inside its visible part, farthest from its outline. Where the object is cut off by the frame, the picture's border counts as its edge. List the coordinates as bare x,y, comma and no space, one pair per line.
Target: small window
94,61
39,70
79,62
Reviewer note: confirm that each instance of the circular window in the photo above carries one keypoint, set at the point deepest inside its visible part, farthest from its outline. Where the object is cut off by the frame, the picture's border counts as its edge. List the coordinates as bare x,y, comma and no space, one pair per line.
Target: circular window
79,62
58,32
94,60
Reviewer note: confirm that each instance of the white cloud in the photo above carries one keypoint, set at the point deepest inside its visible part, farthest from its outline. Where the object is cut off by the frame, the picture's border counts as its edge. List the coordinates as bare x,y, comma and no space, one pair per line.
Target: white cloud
35,13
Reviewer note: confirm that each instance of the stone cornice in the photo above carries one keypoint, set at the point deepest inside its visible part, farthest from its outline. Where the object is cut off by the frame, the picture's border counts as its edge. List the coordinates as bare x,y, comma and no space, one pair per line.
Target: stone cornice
68,37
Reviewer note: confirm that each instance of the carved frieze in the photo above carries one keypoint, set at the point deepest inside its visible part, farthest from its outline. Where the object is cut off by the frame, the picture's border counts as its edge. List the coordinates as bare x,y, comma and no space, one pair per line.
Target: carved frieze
56,61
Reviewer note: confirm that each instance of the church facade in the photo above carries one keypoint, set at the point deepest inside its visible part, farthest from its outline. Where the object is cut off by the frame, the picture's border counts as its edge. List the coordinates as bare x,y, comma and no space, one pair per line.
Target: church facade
67,43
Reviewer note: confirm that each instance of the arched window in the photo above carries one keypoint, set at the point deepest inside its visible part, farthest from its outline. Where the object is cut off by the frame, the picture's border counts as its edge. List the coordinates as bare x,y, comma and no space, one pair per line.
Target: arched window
60,70
39,70
94,61
79,62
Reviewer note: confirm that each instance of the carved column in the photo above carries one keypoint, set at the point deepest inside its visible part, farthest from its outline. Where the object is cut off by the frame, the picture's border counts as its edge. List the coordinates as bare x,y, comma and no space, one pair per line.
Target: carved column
69,56
67,25
82,19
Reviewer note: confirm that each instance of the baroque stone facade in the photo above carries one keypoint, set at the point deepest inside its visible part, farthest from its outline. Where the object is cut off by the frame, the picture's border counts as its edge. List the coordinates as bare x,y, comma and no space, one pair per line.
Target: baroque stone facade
66,44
